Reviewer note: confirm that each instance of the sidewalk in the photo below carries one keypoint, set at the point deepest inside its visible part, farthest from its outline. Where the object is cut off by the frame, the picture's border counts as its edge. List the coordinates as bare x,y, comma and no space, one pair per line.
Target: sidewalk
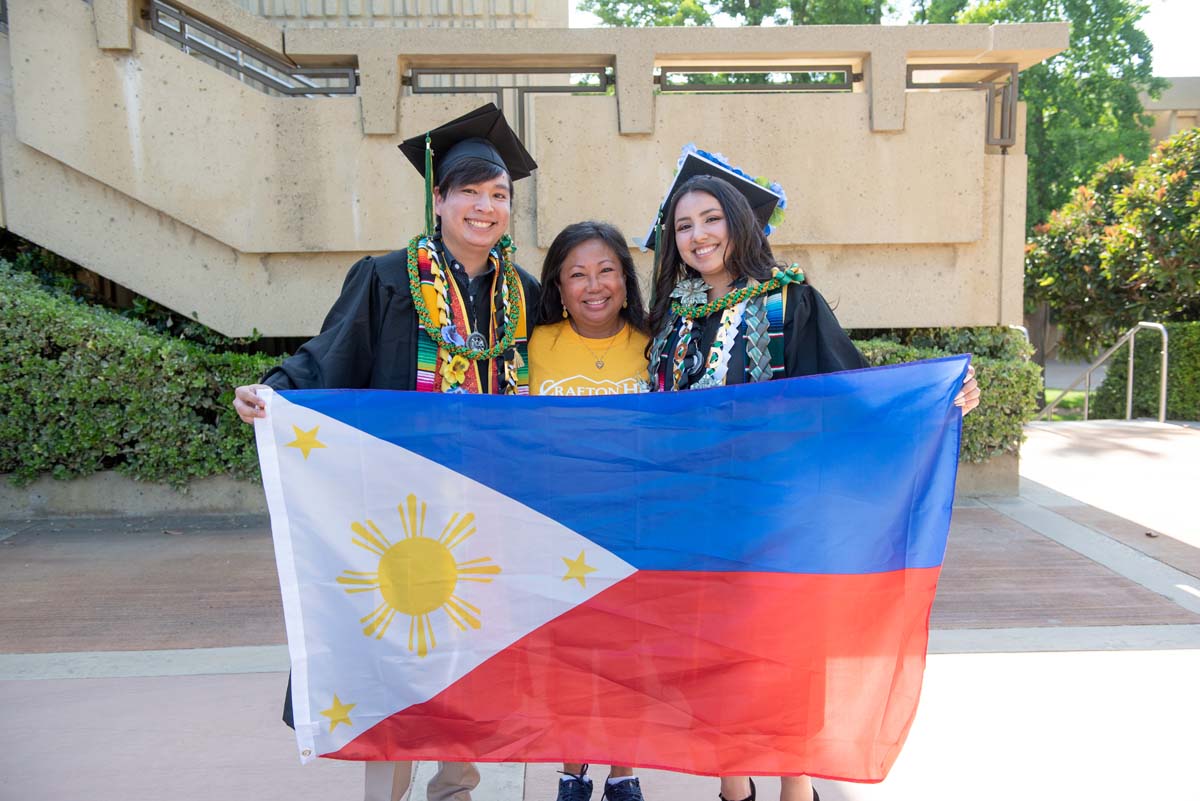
144,659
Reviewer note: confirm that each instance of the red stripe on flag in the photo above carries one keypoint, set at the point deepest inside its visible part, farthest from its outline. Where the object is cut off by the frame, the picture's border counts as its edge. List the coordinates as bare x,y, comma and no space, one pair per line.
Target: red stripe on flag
709,673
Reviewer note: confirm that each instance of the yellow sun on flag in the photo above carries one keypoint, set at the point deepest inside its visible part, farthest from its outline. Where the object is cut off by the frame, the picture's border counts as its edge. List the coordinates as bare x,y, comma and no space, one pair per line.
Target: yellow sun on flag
417,575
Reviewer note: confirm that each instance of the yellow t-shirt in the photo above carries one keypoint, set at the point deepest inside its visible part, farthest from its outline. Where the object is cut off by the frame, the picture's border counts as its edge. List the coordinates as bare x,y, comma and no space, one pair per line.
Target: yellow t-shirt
563,363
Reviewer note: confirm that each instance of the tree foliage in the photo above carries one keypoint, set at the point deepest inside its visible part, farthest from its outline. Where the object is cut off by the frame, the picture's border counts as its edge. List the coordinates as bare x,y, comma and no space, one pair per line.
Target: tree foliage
1083,106
1124,248
652,13
744,12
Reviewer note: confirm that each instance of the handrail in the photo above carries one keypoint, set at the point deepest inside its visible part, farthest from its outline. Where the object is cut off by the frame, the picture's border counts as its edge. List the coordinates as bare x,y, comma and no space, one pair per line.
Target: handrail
1130,337
251,63
1020,329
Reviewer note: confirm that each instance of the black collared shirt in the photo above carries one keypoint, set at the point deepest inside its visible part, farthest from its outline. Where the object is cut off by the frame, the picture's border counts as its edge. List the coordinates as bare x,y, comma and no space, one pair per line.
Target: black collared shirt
474,290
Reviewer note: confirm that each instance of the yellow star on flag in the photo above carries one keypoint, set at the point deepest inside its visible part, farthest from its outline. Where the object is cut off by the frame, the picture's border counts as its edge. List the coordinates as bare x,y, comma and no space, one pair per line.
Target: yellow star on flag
306,441
339,712
577,569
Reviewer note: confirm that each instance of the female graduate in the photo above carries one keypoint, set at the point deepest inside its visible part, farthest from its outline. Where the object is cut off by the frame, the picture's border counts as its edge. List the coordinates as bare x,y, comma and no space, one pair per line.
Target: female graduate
450,313
726,312
592,342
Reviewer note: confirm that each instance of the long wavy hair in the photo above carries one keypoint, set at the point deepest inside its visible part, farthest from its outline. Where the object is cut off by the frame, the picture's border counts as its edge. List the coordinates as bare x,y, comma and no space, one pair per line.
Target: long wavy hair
747,253
551,306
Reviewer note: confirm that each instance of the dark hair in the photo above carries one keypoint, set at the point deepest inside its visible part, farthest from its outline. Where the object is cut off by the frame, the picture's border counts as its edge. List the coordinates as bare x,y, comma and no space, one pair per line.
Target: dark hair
747,254
551,307
467,171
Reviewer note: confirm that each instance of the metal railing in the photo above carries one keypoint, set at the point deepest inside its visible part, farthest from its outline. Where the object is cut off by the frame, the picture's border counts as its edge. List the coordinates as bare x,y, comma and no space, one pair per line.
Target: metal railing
1000,88
250,63
1129,336
798,79
415,81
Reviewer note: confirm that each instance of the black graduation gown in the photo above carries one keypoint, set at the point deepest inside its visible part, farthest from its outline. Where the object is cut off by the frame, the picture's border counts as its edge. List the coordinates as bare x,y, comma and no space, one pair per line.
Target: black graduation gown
369,341
813,340
369,337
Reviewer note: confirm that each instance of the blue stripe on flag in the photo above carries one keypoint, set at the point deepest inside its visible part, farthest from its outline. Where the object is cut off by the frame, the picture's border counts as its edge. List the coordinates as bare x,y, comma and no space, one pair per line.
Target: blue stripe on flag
842,473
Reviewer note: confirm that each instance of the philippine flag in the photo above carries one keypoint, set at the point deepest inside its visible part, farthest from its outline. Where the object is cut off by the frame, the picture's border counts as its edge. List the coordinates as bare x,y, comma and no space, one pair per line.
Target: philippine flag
729,581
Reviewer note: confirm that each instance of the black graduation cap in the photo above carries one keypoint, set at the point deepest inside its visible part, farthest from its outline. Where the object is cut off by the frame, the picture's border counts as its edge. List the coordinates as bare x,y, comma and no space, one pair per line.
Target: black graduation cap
762,200
482,134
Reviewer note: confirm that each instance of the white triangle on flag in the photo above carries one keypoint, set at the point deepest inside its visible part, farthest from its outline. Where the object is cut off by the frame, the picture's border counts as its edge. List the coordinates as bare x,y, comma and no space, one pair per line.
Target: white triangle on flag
369,533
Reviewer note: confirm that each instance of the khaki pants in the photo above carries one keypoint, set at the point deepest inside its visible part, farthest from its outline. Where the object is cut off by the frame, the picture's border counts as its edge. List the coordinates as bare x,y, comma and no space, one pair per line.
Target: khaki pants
389,781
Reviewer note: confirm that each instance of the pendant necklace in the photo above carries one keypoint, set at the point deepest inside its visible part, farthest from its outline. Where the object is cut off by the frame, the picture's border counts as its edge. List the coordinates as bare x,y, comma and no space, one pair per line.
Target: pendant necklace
599,357
476,341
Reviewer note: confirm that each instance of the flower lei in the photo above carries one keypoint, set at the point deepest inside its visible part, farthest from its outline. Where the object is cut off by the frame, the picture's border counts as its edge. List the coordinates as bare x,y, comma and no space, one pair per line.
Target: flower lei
447,336
691,311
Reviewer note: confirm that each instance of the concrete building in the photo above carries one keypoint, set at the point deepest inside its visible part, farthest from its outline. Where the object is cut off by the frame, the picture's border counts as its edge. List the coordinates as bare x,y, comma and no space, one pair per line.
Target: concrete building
1177,110
231,165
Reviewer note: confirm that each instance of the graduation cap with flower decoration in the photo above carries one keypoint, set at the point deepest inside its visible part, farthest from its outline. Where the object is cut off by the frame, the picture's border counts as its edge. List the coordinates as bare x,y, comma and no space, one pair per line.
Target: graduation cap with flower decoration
480,134
767,199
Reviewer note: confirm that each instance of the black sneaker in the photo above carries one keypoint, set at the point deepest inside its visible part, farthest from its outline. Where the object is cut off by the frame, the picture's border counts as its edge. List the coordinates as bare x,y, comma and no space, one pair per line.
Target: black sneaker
627,790
575,788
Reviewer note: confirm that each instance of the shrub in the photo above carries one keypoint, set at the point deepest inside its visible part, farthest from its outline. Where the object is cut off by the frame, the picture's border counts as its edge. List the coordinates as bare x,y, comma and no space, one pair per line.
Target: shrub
1125,248
83,389
1009,382
1183,376
991,342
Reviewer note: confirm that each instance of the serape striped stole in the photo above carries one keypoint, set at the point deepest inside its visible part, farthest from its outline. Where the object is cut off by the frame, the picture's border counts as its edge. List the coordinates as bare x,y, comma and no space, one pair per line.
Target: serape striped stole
431,358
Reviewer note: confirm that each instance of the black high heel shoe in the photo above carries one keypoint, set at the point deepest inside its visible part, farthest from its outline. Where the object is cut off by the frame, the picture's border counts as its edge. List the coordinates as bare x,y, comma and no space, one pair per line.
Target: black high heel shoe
747,798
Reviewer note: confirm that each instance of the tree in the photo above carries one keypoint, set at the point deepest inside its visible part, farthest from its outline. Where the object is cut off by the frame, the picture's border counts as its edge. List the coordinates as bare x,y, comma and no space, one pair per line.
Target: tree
1082,105
1124,248
745,12
652,13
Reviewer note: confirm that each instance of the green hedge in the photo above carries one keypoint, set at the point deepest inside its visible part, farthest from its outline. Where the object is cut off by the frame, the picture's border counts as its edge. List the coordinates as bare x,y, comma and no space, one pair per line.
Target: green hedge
1009,382
83,389
1183,376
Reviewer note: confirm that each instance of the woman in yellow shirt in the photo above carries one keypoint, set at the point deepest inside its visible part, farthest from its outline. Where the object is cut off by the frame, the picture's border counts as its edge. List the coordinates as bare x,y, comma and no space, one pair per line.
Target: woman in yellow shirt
592,340
596,345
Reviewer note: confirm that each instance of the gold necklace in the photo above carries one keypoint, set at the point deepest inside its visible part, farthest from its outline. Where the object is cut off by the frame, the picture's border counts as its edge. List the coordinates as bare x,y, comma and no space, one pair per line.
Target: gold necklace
598,357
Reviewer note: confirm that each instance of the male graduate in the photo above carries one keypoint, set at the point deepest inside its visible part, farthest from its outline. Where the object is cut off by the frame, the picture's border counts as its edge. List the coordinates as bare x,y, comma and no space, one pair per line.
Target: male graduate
450,313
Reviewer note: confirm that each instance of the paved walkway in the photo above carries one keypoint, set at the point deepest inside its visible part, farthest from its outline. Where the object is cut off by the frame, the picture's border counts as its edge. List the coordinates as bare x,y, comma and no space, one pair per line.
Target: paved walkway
144,659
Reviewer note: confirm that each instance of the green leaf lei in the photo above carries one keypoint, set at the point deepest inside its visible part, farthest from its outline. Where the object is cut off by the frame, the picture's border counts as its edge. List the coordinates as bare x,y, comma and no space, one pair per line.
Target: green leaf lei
792,275
511,314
